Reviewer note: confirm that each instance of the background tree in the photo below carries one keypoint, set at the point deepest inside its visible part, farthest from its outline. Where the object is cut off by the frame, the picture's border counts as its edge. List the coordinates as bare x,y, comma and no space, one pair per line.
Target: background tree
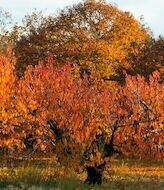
149,59
5,21
91,34
8,32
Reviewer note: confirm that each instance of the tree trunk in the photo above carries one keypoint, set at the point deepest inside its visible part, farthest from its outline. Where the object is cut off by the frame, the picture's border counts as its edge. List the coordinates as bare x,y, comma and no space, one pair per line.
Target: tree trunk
94,174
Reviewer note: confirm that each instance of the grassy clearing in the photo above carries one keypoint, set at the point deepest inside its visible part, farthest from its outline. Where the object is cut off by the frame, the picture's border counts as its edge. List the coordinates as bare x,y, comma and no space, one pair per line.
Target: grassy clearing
48,175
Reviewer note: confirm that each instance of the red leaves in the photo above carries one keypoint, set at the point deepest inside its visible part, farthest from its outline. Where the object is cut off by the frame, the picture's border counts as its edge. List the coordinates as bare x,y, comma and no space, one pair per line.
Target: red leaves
81,109
146,105
119,111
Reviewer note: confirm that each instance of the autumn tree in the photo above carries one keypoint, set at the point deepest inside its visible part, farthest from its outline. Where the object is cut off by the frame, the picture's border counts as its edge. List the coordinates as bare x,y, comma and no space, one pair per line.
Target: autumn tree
149,59
82,121
10,118
143,100
85,121
91,34
70,115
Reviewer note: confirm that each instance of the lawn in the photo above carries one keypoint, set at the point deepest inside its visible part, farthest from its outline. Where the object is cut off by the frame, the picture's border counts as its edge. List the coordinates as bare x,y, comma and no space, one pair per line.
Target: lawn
123,174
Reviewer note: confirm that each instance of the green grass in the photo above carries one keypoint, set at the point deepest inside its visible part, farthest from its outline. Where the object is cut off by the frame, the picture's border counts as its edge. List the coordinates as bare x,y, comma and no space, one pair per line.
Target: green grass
124,174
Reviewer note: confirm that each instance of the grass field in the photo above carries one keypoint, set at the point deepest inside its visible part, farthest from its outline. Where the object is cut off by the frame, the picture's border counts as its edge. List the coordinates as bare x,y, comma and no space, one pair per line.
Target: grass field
47,175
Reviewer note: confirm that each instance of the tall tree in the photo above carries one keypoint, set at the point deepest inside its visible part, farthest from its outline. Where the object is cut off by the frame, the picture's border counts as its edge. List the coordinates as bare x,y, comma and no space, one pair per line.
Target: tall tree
92,34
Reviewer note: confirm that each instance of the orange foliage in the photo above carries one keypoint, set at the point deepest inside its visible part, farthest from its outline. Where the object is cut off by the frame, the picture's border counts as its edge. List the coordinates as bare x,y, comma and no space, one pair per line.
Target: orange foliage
93,34
81,117
9,117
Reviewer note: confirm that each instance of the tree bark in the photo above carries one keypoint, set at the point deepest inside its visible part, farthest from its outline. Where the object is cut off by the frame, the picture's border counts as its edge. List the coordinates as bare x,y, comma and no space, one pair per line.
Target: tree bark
94,174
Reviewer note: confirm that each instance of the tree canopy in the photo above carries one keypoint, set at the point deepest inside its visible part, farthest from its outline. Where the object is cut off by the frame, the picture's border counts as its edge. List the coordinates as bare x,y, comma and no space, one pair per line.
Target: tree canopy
92,34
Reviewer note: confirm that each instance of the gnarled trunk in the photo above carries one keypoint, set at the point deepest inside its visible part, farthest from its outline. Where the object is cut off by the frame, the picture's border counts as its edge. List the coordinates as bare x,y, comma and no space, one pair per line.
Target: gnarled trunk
95,174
